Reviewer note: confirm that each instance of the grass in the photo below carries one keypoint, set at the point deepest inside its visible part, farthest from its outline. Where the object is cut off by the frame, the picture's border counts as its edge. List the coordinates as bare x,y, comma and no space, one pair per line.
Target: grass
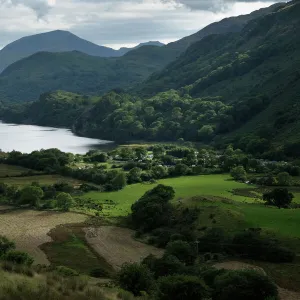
42,179
213,185
9,170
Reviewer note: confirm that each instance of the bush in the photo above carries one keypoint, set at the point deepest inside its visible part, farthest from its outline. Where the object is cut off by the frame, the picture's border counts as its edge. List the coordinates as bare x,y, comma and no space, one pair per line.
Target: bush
179,287
245,284
18,257
278,197
65,271
167,265
5,245
182,250
99,273
238,173
64,201
136,278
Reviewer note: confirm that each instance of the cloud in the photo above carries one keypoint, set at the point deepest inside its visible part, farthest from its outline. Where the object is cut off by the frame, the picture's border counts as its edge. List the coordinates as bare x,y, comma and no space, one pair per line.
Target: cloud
116,22
40,7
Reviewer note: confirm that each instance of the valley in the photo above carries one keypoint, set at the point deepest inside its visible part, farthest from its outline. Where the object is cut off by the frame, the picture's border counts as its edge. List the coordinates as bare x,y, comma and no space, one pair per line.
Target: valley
152,172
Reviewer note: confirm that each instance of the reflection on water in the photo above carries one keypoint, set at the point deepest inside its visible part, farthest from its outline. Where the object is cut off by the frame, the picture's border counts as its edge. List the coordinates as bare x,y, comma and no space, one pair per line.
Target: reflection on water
27,138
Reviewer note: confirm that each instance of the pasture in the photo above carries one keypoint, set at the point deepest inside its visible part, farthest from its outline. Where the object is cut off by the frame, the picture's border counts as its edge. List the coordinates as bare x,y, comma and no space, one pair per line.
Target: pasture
239,211
210,185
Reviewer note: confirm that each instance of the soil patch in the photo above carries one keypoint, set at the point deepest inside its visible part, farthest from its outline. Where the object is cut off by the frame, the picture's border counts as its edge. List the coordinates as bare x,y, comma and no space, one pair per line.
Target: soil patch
117,245
29,229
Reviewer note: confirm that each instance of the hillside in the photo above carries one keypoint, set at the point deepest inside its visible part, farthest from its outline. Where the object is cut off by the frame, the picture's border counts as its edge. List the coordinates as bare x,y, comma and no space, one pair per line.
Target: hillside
26,79
76,72
232,85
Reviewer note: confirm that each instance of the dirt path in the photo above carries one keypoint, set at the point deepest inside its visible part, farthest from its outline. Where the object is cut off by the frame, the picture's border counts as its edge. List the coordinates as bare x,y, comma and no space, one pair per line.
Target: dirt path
117,245
29,229
236,265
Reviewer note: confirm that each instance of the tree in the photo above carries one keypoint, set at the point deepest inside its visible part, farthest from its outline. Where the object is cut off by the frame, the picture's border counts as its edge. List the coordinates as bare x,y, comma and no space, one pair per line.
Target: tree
64,201
31,195
206,132
141,152
245,284
284,179
119,181
136,278
134,175
179,287
167,265
279,197
182,250
159,172
153,209
239,173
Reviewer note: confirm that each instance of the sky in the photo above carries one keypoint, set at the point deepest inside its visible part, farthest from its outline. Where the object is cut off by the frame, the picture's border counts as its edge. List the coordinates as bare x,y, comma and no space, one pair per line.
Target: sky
117,23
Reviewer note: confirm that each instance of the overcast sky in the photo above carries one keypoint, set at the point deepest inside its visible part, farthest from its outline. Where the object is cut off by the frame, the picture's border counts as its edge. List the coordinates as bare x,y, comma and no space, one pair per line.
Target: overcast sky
117,23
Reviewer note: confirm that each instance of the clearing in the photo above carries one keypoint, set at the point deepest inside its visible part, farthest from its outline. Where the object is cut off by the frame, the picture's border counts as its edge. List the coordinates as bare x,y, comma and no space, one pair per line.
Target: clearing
117,245
29,229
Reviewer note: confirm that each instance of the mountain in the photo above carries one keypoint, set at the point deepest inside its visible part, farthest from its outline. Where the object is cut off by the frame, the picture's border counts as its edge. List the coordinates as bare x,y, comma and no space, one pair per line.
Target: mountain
240,87
77,72
124,50
57,41
54,41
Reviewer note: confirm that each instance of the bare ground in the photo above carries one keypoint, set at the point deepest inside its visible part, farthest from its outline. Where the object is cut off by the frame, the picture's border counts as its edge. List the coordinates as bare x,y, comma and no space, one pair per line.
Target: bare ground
29,229
118,246
236,265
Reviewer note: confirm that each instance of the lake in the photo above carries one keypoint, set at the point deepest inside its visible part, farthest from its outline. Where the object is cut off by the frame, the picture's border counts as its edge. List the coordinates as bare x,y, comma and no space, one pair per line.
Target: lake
27,138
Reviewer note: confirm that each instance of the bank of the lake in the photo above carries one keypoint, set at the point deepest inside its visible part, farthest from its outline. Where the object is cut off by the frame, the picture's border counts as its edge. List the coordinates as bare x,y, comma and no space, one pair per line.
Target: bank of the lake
27,138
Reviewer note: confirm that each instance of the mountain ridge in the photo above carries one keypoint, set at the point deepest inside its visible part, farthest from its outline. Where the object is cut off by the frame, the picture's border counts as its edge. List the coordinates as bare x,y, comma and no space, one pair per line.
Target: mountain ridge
57,41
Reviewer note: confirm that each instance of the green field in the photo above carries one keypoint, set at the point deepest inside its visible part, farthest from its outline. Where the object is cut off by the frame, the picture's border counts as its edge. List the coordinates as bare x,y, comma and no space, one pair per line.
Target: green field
8,170
241,212
211,185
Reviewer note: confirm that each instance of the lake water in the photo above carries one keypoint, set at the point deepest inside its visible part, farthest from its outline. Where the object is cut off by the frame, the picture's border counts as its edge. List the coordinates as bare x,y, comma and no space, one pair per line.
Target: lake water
27,138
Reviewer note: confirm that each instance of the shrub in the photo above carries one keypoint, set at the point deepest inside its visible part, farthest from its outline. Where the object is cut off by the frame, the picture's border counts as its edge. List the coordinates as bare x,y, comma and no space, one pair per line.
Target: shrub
245,284
18,257
5,245
65,271
136,278
99,273
182,250
64,201
179,287
238,173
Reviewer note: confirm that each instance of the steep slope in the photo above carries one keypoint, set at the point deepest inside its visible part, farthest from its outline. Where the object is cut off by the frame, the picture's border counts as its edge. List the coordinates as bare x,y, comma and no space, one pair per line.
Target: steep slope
244,86
74,72
234,64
